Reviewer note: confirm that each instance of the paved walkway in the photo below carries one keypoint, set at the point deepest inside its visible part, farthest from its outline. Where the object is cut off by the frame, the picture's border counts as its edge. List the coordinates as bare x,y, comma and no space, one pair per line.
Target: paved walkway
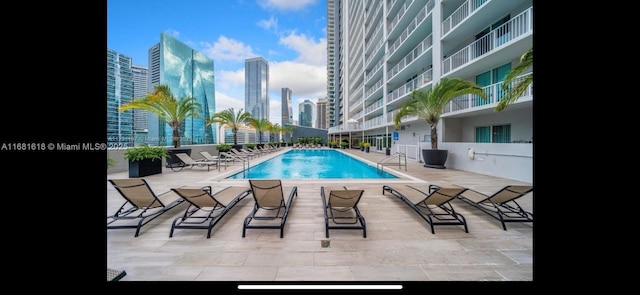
399,246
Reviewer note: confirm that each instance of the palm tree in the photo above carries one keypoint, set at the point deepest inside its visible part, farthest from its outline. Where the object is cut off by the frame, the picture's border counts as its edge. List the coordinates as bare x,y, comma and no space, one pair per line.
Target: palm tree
428,104
288,129
259,125
273,130
232,119
515,91
164,104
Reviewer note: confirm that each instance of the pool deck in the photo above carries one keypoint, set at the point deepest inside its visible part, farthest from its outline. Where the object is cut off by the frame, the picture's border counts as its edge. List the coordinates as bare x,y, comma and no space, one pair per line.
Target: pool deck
399,246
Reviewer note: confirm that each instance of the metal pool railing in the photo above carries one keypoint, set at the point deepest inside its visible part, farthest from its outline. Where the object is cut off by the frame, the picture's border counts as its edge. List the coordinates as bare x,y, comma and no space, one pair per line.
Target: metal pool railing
391,161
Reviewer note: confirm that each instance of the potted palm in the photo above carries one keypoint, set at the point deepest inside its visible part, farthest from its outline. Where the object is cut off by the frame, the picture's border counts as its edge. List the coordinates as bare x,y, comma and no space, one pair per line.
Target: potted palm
428,104
145,160
366,146
170,109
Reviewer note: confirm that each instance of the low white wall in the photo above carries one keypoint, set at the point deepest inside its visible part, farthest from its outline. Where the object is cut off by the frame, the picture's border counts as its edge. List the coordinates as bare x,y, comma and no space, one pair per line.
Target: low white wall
508,160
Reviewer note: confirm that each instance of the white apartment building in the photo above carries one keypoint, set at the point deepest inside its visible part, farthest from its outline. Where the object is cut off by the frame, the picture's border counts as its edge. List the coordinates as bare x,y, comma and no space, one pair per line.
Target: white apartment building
383,50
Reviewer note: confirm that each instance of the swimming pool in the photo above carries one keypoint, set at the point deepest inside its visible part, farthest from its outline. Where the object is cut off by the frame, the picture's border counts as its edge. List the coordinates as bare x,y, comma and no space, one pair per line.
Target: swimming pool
312,164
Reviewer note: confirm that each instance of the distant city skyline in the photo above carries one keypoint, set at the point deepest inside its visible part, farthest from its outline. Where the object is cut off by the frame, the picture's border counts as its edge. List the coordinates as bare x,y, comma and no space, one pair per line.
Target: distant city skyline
291,35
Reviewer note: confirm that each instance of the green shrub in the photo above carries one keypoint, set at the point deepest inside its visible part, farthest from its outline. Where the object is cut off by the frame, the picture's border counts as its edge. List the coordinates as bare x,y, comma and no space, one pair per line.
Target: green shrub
223,147
145,151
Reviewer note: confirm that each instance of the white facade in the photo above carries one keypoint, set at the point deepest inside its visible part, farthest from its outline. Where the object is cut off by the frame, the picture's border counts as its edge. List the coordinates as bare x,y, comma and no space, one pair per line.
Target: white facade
387,49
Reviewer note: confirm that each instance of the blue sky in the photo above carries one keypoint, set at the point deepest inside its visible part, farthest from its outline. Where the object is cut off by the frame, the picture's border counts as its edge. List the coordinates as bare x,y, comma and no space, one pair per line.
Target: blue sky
290,34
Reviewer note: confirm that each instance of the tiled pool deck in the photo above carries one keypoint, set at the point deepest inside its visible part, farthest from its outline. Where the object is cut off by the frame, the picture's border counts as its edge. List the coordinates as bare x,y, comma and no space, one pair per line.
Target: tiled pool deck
399,246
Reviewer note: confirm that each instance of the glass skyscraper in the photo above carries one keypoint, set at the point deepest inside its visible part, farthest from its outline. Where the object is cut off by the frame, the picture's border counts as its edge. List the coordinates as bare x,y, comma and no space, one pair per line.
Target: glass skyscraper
119,92
188,73
256,87
307,116
287,108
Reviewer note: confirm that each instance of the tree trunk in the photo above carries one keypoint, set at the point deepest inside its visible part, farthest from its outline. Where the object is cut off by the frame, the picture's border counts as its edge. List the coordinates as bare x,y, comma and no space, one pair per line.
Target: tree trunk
434,137
175,138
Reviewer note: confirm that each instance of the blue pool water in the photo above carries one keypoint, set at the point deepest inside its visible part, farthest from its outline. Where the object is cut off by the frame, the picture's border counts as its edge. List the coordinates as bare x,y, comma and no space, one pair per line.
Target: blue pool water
312,164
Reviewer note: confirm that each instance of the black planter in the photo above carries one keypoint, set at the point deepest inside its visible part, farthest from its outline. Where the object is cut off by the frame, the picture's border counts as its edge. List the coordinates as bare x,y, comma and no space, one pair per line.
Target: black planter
435,158
145,167
173,160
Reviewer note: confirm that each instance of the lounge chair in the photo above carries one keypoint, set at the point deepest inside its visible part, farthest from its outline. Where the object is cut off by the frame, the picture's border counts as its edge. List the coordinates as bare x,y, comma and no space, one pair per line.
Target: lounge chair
209,157
270,209
266,149
206,209
141,205
341,210
233,157
431,202
502,204
243,153
256,151
187,161
115,274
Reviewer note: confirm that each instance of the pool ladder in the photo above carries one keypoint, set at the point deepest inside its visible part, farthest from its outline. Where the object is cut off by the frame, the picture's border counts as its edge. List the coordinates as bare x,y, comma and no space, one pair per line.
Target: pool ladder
391,161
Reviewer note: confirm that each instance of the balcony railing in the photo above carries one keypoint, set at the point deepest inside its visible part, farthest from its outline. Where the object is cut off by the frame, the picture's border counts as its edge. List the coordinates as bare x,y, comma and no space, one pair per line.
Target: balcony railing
493,92
461,14
514,28
416,83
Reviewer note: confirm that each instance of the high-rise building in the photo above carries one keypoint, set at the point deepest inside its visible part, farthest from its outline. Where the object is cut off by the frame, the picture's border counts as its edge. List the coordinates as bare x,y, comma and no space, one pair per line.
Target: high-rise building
307,116
119,92
334,31
140,85
322,106
188,73
379,52
256,87
287,107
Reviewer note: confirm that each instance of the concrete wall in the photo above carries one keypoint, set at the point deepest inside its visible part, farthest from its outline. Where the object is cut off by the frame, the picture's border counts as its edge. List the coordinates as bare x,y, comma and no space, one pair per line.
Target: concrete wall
303,131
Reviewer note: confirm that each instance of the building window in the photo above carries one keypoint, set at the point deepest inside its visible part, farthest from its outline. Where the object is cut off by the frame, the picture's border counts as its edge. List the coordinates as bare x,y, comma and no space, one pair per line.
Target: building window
494,134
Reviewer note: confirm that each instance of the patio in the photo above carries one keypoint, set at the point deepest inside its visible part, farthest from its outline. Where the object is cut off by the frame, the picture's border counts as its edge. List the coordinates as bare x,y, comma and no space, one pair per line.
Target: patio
399,246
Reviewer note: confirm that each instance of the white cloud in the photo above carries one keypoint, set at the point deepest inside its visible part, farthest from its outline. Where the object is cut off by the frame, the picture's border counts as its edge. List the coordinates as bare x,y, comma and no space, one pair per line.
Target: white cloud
173,33
270,24
228,49
224,102
309,50
285,4
228,80
309,81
